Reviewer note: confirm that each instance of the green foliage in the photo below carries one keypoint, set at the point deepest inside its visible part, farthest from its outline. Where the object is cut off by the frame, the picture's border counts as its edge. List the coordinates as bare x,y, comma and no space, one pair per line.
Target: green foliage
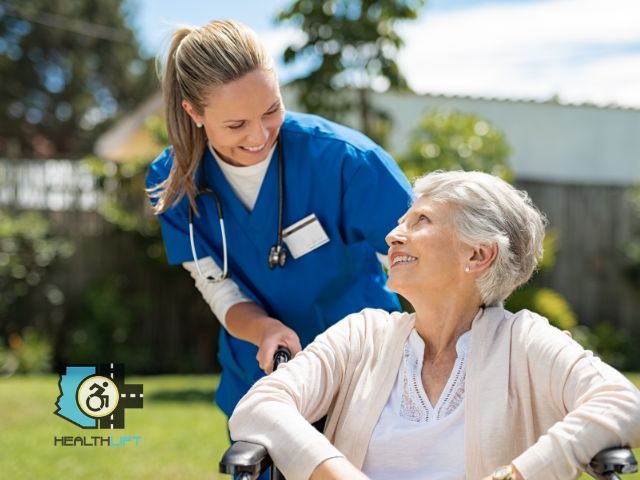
124,198
107,328
28,255
616,346
26,353
351,45
68,69
125,202
157,128
544,301
27,252
451,140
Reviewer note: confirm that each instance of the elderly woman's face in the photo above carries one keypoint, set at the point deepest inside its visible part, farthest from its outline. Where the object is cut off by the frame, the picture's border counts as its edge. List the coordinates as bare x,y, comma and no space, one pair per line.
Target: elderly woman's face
424,250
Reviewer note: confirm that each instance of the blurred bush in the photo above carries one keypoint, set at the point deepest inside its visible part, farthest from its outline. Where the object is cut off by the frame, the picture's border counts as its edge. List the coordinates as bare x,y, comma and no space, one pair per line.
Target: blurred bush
616,346
31,300
542,300
28,352
27,252
105,325
446,139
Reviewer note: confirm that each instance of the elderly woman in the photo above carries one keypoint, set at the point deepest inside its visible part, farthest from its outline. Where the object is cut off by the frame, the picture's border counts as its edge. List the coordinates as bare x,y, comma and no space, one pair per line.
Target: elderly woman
460,389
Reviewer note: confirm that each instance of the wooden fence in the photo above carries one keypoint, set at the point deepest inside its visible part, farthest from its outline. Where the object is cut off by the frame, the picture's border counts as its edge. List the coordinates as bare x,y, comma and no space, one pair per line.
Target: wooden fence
593,224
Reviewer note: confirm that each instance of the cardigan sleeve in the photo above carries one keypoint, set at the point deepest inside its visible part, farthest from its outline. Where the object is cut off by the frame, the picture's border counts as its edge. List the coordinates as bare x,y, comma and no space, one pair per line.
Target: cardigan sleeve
277,410
600,407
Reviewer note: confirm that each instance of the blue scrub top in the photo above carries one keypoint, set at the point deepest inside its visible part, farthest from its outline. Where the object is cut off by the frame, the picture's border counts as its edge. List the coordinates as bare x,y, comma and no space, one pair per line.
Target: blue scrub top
357,192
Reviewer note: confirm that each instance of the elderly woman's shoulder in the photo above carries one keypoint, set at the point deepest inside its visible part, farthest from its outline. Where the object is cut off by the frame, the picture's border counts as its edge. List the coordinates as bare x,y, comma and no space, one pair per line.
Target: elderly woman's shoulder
379,316
375,320
528,318
531,329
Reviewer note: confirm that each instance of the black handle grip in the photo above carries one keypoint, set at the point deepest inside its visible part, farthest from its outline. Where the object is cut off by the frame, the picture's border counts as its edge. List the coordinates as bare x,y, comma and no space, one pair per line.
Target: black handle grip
282,355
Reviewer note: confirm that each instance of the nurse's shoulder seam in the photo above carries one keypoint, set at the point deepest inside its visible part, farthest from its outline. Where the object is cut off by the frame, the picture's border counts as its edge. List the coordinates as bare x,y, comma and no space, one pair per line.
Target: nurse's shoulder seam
320,128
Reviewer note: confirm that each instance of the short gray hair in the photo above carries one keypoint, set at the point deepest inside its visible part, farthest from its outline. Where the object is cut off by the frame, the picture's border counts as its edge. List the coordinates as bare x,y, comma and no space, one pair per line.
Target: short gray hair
488,210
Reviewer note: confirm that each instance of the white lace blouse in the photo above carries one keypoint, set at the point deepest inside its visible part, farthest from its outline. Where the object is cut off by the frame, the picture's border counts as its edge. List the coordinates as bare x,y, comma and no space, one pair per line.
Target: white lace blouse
414,439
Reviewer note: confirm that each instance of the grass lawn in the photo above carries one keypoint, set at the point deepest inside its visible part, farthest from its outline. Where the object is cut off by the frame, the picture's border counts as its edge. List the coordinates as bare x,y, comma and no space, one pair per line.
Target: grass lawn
183,433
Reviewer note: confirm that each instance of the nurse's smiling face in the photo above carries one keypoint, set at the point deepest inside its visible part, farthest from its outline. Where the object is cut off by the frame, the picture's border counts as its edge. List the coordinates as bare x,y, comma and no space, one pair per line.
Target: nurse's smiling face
242,118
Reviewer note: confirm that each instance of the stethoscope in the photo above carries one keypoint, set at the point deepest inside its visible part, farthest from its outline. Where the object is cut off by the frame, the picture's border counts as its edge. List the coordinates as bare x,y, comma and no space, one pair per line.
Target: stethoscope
277,254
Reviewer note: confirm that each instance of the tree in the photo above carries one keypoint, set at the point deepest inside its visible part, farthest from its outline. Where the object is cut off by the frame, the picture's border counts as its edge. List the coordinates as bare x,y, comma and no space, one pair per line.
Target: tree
68,68
353,45
451,140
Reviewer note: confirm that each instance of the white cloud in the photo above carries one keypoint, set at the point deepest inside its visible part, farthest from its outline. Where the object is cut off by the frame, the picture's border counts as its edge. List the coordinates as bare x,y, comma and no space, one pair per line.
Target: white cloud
581,50
276,40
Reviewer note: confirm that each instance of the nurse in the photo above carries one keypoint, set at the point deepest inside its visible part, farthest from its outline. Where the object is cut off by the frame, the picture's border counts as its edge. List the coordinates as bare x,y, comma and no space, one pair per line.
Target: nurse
277,216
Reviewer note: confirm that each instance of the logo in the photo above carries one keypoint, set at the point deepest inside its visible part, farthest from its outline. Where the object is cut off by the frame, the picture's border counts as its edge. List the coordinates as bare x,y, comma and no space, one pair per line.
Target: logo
95,396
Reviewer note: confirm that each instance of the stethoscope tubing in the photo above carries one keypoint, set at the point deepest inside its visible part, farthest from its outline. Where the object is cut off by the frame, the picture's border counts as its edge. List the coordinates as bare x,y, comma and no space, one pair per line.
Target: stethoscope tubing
281,255
225,270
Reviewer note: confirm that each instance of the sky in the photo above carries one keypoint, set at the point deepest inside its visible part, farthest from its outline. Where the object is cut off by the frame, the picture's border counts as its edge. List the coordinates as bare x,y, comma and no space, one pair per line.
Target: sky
579,51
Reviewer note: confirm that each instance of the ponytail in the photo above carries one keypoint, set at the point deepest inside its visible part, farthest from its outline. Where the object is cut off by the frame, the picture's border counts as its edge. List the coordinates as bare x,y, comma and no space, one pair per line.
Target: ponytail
188,141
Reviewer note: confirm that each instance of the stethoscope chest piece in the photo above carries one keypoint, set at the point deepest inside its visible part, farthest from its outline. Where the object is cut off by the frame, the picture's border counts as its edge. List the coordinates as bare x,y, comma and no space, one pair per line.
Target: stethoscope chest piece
277,256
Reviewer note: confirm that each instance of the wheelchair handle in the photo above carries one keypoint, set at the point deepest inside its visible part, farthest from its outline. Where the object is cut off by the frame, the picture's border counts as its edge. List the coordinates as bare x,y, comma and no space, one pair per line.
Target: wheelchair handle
282,355
608,463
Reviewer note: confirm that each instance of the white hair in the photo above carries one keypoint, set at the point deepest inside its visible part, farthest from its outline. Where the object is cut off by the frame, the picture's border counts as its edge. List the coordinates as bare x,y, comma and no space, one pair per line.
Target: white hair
487,210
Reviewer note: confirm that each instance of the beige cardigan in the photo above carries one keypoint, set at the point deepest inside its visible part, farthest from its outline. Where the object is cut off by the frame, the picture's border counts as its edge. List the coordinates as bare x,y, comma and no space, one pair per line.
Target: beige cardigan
533,397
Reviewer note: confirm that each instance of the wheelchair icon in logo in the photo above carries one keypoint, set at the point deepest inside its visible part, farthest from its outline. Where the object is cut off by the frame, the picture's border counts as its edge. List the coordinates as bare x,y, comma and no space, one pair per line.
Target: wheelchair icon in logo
98,396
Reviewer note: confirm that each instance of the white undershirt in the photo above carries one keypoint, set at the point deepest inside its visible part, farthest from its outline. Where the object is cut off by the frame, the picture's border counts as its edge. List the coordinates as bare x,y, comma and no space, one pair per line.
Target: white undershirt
246,183
245,180
220,296
414,440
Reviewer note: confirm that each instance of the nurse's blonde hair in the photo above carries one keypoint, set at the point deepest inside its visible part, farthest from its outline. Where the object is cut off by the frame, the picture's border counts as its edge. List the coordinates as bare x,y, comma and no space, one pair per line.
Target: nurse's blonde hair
199,60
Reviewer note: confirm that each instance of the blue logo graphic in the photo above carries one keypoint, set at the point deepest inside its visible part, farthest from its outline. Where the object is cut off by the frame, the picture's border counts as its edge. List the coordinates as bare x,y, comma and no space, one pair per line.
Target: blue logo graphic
95,396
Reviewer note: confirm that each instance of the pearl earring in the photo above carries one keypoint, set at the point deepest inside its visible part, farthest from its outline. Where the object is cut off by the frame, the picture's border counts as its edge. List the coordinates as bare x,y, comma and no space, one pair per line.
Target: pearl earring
466,269
198,124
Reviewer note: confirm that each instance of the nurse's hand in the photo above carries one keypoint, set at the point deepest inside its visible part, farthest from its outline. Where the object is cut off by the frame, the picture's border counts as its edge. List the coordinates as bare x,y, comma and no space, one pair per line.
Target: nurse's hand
248,321
276,335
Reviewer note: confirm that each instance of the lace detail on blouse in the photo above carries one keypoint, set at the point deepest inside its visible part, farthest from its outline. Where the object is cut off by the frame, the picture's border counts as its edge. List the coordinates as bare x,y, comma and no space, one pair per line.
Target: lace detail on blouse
415,405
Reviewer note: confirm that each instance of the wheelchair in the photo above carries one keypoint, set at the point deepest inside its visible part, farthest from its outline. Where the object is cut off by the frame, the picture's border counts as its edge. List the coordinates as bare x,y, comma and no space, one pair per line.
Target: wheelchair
247,461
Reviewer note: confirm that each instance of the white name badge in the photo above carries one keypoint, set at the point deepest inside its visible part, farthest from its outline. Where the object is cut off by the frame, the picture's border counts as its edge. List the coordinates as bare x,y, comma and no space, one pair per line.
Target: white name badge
304,236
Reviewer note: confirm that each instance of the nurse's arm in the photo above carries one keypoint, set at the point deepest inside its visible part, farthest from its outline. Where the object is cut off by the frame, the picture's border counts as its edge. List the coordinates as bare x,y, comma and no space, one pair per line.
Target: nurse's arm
220,296
241,317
